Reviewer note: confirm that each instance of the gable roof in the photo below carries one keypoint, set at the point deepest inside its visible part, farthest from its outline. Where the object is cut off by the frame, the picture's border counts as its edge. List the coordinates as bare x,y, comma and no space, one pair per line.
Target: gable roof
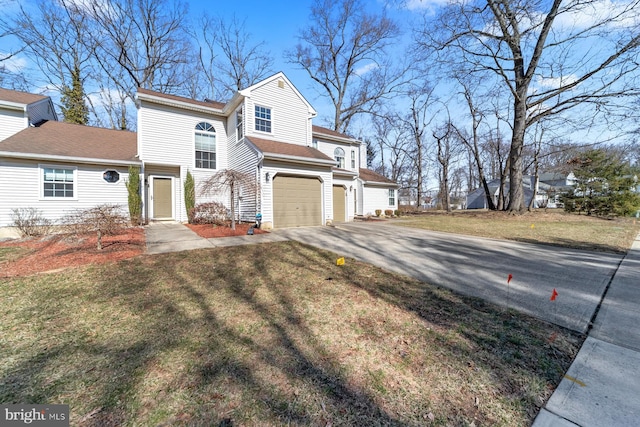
162,98
327,131
65,141
369,176
284,151
279,75
18,97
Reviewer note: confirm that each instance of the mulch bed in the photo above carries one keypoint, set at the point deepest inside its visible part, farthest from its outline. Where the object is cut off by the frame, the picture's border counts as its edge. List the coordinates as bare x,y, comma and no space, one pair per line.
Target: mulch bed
209,231
52,253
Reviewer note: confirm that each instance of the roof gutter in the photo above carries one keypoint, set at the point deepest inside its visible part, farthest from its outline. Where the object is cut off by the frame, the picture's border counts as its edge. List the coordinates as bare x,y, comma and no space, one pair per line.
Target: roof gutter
296,159
50,157
13,106
179,104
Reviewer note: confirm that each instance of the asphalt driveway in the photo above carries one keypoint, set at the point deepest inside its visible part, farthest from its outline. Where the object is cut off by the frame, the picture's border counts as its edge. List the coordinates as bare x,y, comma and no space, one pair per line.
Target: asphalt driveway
479,267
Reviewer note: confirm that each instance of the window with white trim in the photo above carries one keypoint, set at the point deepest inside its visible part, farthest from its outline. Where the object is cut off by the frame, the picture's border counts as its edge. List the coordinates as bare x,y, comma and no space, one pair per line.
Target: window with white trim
263,119
205,141
392,197
353,159
58,182
338,154
239,120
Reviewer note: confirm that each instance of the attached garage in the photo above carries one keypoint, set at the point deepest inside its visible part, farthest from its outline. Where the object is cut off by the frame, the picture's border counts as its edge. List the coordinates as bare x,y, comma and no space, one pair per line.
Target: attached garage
339,201
297,201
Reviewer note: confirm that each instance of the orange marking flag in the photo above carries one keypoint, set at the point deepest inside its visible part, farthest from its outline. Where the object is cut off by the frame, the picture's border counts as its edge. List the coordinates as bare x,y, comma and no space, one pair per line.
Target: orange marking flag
554,295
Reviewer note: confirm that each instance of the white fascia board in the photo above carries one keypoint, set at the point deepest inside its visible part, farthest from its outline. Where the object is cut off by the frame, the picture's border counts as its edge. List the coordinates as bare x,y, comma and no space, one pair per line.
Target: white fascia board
332,138
296,159
179,104
55,158
13,106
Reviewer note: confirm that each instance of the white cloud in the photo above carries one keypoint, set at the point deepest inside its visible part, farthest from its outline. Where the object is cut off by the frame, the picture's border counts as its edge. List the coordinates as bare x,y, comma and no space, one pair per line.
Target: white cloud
14,64
428,5
365,69
556,82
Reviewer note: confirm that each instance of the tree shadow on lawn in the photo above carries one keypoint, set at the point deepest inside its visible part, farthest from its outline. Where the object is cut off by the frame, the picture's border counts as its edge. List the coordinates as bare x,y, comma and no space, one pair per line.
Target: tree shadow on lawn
219,337
178,358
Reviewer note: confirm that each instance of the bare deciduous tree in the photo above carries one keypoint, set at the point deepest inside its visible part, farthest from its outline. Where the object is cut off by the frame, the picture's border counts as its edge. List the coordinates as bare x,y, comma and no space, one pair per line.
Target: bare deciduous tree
233,182
345,50
537,51
228,59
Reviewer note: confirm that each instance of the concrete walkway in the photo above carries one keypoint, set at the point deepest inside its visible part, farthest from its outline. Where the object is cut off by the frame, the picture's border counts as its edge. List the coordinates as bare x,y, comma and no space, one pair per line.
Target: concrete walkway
170,236
602,386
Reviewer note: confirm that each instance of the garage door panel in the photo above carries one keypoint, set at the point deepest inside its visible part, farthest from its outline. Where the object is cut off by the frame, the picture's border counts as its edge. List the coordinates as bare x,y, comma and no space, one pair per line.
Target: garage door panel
297,201
339,208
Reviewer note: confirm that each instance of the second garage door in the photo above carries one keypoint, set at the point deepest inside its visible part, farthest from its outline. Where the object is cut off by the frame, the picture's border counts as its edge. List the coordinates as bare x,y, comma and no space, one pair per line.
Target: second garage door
297,201
339,199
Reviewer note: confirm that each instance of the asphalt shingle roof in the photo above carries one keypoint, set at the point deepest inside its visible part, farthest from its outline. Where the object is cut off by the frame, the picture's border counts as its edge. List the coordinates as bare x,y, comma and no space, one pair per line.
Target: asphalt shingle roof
283,148
370,176
69,140
19,97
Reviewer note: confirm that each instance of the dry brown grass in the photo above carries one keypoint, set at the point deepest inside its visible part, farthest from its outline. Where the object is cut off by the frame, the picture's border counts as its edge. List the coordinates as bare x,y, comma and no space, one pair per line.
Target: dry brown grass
270,335
548,227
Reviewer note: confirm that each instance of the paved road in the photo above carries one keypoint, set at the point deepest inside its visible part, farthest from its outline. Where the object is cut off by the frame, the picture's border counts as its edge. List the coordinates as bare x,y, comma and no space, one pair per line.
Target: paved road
479,267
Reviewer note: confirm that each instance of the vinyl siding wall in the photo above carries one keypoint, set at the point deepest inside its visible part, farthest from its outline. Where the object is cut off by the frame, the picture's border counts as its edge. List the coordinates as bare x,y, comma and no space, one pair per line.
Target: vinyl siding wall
377,198
289,113
328,148
11,122
21,183
166,140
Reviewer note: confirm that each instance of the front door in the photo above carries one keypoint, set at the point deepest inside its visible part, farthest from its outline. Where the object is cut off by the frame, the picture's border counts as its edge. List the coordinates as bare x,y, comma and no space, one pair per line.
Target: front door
162,198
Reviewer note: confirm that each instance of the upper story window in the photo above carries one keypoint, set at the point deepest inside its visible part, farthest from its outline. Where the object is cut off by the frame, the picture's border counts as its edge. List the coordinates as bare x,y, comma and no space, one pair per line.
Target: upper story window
392,197
205,139
353,159
239,124
314,143
263,119
338,154
58,182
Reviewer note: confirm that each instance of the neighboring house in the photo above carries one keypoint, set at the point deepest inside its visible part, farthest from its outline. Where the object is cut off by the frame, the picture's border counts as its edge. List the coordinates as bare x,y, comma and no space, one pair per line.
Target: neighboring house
304,174
550,188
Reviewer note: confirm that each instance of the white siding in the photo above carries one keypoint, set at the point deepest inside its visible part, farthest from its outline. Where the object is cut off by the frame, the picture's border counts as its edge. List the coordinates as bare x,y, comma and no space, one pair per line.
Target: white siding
11,122
20,183
377,198
289,113
328,148
167,136
274,168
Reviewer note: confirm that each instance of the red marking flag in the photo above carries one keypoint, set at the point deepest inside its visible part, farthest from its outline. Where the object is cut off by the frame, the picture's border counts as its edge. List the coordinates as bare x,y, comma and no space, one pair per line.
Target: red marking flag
554,295
509,278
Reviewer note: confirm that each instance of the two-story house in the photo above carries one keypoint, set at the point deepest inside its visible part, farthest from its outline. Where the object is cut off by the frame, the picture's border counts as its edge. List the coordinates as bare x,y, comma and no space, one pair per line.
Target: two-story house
304,174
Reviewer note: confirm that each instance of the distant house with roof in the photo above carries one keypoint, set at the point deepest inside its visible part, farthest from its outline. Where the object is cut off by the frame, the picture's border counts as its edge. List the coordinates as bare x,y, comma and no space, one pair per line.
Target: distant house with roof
550,188
304,174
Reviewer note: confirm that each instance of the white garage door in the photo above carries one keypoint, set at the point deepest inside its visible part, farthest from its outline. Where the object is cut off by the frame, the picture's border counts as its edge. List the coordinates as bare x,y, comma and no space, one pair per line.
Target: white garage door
297,201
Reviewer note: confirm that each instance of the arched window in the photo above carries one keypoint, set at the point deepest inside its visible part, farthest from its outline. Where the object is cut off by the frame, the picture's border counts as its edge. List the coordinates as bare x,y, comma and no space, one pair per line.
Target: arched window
205,139
338,154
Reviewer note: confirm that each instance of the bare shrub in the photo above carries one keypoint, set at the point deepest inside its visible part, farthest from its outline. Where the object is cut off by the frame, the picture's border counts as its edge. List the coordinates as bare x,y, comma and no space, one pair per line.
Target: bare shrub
388,212
30,222
209,213
106,219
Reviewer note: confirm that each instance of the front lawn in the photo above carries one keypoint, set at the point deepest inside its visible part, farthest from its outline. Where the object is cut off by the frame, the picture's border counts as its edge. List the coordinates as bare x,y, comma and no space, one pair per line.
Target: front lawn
552,227
273,334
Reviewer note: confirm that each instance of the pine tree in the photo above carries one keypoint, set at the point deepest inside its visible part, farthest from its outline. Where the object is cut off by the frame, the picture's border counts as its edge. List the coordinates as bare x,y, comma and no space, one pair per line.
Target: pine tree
73,106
